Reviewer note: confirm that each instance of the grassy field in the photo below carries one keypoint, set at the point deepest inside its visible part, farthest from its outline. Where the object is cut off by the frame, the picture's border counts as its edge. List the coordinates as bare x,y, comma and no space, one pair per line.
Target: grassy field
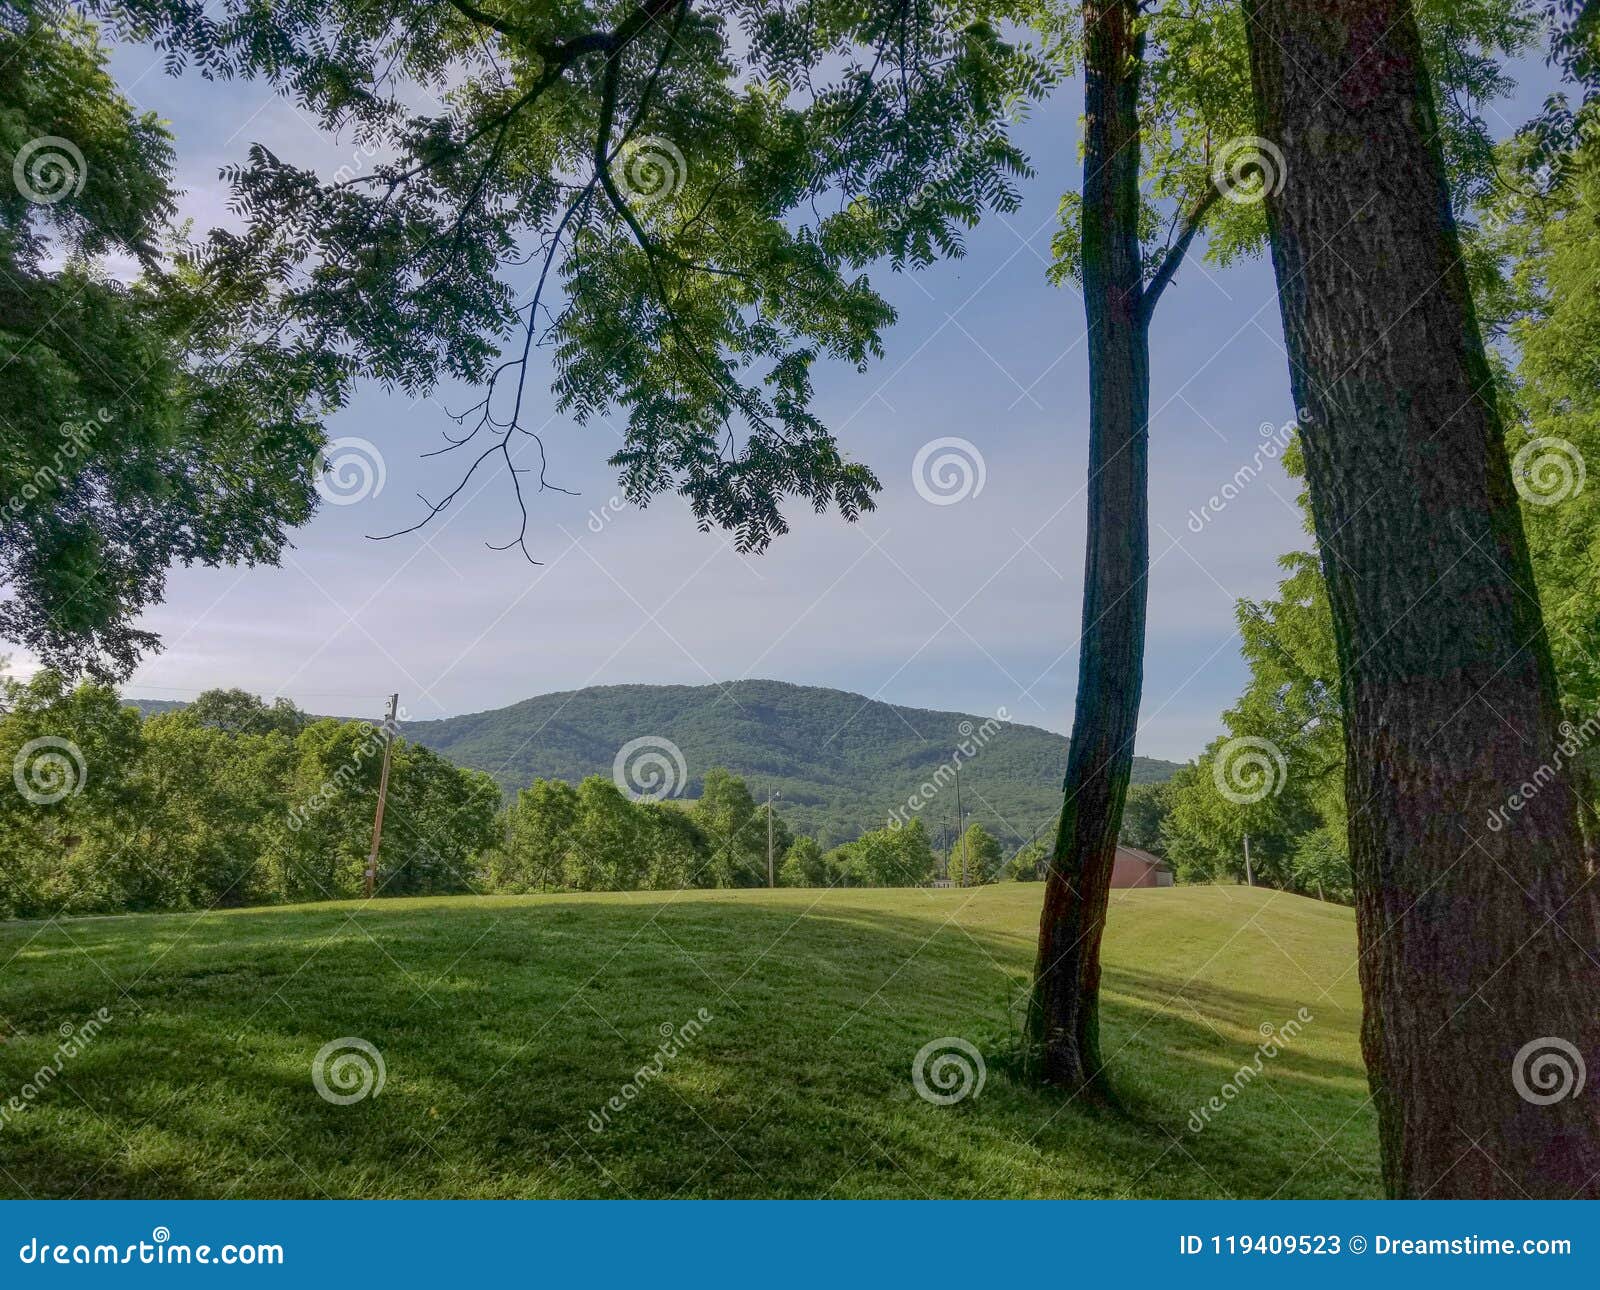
505,1024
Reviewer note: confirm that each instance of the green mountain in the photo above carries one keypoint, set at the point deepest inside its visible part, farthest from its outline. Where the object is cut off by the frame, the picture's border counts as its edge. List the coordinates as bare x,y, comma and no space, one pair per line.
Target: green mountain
842,762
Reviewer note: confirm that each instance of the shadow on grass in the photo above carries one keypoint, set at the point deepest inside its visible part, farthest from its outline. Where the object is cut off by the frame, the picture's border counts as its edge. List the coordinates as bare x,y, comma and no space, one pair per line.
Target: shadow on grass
680,1044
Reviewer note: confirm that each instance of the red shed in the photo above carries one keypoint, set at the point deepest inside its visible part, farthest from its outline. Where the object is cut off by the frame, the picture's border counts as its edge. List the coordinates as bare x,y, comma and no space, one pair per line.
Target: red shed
1136,868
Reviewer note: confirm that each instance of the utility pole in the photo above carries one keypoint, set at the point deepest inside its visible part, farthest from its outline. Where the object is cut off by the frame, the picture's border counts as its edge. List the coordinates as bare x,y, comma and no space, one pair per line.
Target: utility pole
1249,880
961,824
383,792
771,880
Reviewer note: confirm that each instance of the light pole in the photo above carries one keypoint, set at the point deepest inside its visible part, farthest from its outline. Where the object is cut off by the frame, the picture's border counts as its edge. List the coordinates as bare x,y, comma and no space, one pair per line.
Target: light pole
771,878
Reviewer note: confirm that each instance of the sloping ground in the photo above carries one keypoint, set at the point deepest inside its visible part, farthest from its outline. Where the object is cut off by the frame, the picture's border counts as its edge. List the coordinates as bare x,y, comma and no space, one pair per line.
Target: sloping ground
506,1024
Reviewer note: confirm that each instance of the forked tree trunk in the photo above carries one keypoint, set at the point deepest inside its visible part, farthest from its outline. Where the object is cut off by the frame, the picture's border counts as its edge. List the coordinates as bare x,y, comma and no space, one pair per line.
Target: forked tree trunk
1063,1018
1482,1000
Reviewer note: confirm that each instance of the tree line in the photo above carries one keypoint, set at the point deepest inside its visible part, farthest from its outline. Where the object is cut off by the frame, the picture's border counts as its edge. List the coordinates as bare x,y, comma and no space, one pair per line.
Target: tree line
227,802
232,801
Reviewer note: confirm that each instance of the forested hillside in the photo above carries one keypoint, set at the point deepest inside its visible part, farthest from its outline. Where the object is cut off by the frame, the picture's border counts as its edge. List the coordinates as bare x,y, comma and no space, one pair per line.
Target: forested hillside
841,761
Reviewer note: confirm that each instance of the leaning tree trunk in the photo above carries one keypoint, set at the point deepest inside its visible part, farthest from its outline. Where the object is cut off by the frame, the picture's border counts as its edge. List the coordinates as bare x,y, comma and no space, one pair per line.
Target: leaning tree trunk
1475,936
1063,1020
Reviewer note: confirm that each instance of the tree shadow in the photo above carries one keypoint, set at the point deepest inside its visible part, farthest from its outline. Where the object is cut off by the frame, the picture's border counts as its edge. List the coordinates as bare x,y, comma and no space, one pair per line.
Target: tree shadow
653,1045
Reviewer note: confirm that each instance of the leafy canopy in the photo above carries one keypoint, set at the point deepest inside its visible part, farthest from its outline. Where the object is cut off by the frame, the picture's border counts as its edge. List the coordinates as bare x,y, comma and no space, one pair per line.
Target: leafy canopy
677,199
141,425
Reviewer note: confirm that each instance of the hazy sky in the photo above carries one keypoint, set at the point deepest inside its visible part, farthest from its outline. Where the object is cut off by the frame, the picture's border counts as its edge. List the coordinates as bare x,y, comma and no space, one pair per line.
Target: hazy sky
971,605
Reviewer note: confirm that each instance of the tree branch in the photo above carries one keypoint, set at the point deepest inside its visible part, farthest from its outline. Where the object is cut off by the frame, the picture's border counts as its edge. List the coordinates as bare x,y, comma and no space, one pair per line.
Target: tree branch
1175,253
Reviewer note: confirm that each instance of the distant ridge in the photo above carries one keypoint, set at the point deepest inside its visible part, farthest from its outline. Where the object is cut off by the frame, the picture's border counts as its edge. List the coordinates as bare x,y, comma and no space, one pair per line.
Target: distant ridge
841,761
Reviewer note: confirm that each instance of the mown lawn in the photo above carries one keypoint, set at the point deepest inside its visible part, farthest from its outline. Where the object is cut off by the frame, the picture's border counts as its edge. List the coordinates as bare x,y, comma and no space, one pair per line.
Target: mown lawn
506,1023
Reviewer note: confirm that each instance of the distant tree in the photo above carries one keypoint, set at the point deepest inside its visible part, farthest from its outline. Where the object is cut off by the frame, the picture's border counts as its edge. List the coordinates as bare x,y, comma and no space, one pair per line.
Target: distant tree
439,820
888,857
845,866
804,866
1142,813
975,858
735,831
606,851
676,851
331,796
914,862
66,814
211,805
1321,864
237,712
891,857
537,832
1028,864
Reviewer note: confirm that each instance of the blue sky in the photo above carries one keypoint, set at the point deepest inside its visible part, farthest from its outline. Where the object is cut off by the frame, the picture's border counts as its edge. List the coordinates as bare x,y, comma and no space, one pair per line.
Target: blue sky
971,605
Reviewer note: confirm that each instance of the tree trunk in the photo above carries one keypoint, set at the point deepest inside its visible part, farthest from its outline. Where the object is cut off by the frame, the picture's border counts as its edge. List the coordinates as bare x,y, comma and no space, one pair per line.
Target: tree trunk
1063,1020
1475,922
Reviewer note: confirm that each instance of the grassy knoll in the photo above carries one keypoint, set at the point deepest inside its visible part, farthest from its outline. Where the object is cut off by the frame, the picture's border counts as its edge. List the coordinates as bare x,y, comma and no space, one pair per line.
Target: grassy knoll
504,1022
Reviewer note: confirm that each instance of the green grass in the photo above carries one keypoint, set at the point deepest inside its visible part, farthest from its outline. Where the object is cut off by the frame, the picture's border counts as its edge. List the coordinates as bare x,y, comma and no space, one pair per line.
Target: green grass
505,1021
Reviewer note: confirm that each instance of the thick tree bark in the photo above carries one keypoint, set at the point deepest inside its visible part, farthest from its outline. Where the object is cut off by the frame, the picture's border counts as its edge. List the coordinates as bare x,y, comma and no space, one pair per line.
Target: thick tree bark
1477,938
1063,1021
